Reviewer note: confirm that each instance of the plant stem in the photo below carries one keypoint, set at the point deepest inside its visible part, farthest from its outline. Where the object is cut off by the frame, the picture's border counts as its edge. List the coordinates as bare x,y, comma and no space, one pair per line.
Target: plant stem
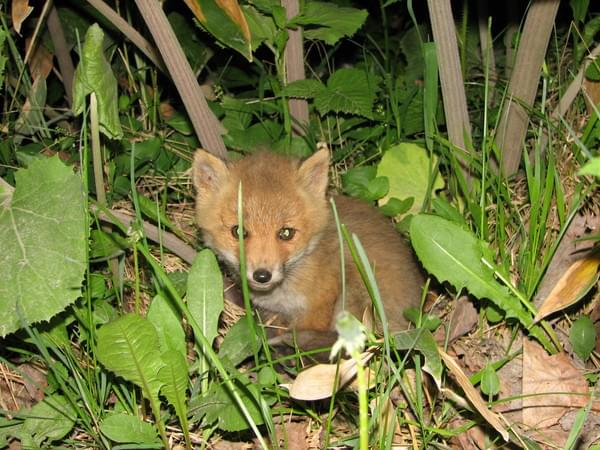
363,403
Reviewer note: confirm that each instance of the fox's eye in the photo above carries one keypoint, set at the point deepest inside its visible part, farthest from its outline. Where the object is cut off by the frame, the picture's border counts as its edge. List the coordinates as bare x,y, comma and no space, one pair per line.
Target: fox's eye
286,234
235,231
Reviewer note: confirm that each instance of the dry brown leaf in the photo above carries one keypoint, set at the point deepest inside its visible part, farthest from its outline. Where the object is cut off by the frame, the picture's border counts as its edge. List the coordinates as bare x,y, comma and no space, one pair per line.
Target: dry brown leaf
492,418
317,382
556,376
40,62
592,94
19,11
574,284
571,247
464,318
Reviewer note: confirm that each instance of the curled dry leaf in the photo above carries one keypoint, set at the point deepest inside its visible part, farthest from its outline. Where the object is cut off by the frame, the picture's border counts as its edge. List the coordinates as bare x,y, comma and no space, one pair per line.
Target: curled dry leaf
492,418
19,11
317,382
573,285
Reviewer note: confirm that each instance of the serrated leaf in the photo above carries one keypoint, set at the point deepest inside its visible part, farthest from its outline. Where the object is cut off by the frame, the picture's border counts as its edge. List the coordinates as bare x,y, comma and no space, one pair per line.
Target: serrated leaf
422,340
328,22
51,419
350,91
174,377
125,428
42,230
129,347
583,337
303,89
205,293
454,254
94,74
167,322
407,167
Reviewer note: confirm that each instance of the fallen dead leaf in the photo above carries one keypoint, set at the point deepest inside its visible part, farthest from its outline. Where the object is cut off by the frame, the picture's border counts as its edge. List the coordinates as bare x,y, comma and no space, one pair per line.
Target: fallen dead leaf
555,376
317,382
572,286
40,62
569,250
19,11
474,398
464,318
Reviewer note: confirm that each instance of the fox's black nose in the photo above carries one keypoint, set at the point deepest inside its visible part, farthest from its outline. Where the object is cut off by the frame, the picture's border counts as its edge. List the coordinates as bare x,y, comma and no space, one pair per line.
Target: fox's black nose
261,276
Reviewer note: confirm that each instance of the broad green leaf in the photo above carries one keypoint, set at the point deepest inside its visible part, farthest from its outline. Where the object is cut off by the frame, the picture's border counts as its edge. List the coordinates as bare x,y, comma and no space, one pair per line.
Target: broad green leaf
49,420
407,167
238,343
174,377
304,89
453,254
355,181
592,167
219,407
583,337
490,382
226,22
350,91
94,75
205,293
579,8
125,428
328,22
395,207
167,322
422,340
262,27
129,347
42,230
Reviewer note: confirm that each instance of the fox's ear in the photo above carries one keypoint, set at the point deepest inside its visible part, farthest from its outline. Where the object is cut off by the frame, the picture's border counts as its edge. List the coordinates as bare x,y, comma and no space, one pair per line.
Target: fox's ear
314,172
208,171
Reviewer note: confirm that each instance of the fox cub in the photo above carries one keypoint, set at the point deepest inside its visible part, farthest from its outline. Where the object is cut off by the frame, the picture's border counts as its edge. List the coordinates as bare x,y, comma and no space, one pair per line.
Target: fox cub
291,240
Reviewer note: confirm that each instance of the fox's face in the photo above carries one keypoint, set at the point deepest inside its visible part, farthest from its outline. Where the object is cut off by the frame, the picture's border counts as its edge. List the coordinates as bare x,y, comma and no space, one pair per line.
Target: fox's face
284,211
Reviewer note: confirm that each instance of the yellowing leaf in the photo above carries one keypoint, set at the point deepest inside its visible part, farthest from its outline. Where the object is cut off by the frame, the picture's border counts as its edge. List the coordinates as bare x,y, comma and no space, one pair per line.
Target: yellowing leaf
574,284
225,20
19,11
233,10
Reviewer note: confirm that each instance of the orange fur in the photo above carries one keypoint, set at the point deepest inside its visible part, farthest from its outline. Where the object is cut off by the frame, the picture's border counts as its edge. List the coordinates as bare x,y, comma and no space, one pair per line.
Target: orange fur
304,275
